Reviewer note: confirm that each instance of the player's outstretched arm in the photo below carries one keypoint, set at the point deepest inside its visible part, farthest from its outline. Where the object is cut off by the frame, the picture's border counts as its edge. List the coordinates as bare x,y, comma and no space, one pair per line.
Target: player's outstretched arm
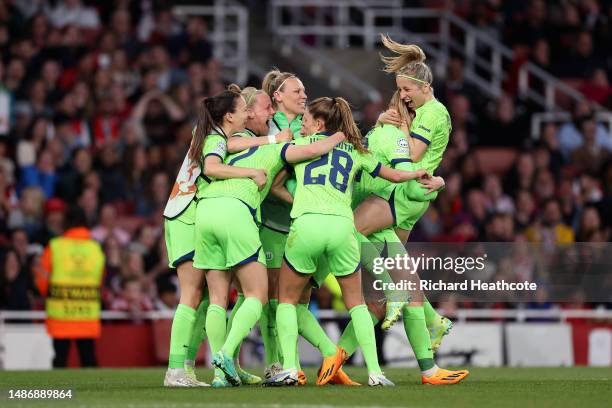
237,143
298,153
214,168
399,176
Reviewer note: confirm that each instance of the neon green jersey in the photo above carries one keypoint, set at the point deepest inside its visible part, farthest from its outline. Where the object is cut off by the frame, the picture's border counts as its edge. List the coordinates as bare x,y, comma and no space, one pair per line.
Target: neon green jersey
390,146
266,157
325,184
274,211
432,125
214,145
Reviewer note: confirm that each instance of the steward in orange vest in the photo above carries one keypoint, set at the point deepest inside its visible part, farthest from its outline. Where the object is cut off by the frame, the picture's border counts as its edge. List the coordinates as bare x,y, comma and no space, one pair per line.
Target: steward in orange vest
72,267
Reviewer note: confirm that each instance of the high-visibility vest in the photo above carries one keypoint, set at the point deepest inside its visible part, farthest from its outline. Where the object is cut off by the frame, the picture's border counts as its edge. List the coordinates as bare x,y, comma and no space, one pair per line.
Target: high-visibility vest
73,304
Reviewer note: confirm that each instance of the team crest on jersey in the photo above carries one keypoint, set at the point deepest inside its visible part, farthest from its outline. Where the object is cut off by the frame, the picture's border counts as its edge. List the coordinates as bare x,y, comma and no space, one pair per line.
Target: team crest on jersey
402,142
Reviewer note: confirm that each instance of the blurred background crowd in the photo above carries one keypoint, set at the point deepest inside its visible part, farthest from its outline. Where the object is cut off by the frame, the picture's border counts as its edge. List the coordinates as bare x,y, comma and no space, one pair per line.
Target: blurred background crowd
98,100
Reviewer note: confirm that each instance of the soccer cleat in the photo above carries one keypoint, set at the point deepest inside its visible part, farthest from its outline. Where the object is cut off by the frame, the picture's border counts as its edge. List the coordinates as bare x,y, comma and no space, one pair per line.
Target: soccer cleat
220,382
225,363
177,377
190,372
302,380
284,378
445,377
342,378
247,378
394,312
272,370
438,330
379,380
330,366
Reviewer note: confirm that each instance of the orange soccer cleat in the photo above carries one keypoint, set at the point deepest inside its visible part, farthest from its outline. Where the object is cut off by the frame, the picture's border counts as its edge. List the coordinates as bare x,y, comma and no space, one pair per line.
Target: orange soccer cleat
302,380
342,378
445,377
330,366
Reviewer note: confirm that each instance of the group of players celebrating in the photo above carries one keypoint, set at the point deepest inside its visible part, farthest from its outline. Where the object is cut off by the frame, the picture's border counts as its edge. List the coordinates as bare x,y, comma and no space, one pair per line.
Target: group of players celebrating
274,195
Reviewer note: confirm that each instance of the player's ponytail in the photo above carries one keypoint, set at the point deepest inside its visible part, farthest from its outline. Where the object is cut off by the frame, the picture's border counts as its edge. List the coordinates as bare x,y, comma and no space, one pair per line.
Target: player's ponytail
409,61
337,115
211,114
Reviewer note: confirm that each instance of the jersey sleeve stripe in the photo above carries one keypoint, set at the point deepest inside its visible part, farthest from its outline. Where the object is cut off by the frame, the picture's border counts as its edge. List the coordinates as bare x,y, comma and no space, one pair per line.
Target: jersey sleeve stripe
284,152
213,154
421,138
394,162
375,172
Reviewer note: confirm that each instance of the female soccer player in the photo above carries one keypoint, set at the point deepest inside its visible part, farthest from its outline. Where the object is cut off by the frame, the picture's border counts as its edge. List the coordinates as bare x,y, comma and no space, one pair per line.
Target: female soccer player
229,243
188,324
322,203
396,206
288,97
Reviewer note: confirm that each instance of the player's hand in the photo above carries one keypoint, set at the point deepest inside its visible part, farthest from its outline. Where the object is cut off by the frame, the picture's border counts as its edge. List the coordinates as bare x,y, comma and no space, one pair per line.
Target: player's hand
432,184
390,117
340,135
284,136
421,174
259,177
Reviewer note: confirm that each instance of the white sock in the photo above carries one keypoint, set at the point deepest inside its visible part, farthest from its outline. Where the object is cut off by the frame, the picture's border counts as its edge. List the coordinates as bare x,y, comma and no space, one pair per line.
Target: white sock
430,372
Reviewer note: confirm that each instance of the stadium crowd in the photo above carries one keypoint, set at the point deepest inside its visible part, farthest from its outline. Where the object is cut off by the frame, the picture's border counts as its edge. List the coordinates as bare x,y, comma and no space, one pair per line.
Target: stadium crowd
97,105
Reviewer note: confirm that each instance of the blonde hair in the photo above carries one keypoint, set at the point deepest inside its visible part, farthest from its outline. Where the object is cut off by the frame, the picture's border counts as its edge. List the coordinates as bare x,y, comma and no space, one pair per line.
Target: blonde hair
337,115
275,81
409,61
400,106
250,95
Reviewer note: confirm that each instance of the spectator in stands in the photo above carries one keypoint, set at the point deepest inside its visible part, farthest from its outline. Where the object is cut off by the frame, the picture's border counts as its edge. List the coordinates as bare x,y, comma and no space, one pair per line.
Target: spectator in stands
15,282
167,298
157,113
54,221
590,156
505,127
28,216
570,137
74,12
525,210
42,175
497,201
132,299
192,45
598,88
109,226
590,222
551,230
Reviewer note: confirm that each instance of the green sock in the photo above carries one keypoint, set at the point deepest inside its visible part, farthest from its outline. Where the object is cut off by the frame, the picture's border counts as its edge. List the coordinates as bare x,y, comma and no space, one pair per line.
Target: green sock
266,337
311,330
215,327
364,332
275,350
286,321
245,318
239,302
348,340
418,336
180,334
199,331
431,316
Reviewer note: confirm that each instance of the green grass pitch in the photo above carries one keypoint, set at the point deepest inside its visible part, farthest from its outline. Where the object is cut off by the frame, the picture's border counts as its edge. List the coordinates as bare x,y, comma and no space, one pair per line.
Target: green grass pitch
486,387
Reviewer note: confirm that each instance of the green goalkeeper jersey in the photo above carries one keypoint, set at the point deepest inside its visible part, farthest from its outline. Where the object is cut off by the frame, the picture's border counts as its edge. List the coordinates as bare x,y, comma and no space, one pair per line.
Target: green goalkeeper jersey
325,184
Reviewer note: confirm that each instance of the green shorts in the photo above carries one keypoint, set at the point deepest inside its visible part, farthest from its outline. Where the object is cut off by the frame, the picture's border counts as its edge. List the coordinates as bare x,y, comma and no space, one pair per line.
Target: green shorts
179,234
273,243
405,212
226,234
316,236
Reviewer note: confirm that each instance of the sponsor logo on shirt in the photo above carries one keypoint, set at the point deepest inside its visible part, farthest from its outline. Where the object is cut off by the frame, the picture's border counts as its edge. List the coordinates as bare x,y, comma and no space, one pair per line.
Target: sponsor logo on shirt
424,128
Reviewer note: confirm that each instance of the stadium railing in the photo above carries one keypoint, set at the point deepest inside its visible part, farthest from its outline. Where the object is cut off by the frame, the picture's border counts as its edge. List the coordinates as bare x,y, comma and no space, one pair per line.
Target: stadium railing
229,35
352,18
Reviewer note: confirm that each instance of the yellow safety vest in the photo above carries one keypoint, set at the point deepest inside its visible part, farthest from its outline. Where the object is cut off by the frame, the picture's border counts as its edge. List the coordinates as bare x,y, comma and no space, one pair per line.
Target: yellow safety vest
74,286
